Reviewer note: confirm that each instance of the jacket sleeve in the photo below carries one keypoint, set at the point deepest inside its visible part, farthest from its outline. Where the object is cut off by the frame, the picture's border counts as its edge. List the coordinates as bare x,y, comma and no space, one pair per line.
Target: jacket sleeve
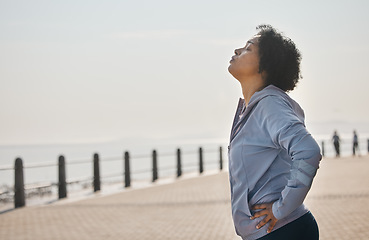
288,132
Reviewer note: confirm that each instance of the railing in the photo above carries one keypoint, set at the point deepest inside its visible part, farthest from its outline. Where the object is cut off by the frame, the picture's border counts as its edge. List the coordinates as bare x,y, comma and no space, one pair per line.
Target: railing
20,188
346,147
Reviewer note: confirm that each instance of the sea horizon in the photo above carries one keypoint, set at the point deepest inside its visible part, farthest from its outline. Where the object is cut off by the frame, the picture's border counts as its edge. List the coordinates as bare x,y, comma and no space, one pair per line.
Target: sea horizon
33,154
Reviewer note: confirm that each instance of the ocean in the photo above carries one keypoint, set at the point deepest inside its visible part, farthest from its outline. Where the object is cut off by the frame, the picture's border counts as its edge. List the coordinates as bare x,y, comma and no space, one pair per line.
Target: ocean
79,157
79,160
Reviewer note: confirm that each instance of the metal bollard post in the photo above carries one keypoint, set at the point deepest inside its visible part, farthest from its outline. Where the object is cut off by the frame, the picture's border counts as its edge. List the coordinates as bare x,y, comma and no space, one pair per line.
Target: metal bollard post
96,173
127,171
201,162
179,163
19,196
154,166
220,158
323,153
62,178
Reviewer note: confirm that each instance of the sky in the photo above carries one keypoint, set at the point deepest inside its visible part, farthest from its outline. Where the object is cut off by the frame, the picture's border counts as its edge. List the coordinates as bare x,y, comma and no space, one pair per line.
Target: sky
99,71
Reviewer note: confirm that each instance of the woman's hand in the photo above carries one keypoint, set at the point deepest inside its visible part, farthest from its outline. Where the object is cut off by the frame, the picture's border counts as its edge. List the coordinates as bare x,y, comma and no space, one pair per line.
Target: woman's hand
266,209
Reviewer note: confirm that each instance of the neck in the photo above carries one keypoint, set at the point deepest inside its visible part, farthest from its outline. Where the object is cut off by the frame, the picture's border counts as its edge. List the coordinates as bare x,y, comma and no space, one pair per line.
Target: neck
251,87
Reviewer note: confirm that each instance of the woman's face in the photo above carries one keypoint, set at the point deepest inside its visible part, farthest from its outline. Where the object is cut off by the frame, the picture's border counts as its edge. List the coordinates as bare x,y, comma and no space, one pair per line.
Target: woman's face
245,63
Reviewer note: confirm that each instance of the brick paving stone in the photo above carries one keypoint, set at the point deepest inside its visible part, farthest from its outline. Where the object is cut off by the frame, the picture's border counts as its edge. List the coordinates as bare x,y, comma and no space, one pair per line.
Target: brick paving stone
197,208
339,198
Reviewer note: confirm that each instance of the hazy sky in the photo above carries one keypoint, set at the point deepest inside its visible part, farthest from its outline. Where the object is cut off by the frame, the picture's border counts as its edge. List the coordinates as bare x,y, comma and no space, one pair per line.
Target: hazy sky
90,71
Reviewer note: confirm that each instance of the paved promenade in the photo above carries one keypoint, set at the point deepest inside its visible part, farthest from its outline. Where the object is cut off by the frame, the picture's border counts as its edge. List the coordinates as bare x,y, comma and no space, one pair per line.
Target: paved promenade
197,208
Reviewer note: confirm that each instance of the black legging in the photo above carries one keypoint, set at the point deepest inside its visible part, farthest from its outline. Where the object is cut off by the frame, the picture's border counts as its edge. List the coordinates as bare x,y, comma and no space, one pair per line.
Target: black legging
303,228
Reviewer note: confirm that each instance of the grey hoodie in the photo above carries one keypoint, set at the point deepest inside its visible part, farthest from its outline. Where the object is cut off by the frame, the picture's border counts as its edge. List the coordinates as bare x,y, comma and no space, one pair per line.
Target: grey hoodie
272,158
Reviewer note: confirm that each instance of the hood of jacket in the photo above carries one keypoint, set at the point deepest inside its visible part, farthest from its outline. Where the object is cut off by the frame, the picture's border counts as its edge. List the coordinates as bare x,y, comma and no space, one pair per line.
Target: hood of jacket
272,90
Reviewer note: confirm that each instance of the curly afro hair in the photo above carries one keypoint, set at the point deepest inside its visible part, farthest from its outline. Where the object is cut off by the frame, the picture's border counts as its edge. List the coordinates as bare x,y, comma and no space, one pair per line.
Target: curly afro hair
279,58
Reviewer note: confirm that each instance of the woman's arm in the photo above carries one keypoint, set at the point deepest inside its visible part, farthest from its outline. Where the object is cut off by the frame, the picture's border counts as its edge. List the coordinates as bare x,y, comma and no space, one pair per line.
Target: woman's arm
288,132
305,154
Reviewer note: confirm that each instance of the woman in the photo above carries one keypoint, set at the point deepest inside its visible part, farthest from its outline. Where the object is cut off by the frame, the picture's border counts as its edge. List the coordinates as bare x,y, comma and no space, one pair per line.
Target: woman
272,157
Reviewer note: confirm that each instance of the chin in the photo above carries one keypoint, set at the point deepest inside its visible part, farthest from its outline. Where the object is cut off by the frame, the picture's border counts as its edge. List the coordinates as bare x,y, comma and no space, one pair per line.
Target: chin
230,69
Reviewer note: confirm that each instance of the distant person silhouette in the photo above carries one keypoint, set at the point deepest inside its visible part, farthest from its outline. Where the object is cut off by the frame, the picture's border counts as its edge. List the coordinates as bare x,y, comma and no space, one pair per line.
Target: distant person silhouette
355,144
336,143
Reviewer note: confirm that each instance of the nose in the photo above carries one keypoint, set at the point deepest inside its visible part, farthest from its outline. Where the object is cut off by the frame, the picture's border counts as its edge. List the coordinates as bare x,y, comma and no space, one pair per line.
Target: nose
237,51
